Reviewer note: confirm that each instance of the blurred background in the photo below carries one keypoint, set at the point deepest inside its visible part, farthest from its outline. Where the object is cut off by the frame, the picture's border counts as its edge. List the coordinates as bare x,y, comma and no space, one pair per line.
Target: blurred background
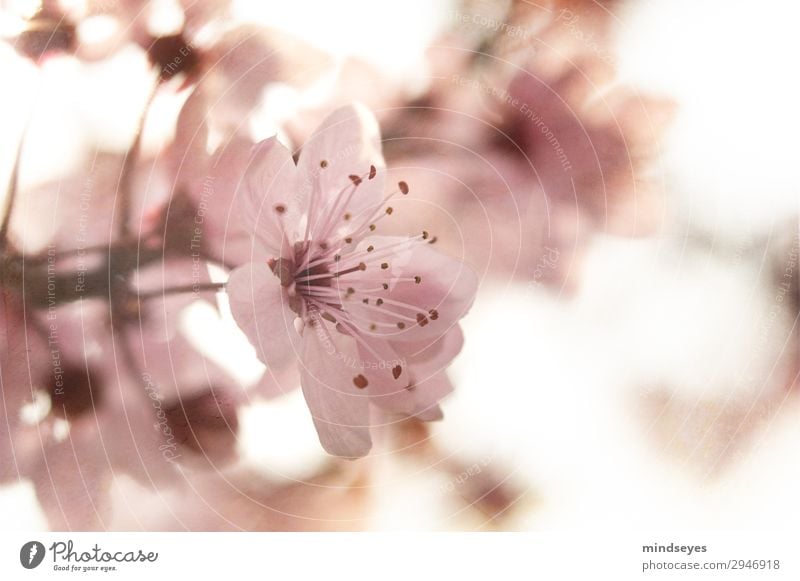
622,175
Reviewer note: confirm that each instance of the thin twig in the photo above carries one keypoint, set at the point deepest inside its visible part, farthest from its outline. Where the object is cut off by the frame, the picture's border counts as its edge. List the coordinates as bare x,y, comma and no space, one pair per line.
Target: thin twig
188,288
125,187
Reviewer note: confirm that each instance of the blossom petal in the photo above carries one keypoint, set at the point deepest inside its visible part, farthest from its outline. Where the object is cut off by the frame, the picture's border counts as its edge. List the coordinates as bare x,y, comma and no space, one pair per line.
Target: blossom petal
429,393
269,202
409,378
432,356
260,308
446,290
277,382
389,377
428,362
213,217
347,143
339,408
424,292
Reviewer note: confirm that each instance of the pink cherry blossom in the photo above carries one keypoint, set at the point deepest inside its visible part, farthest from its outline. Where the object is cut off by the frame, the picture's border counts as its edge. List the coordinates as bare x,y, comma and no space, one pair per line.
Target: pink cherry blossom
369,320
84,402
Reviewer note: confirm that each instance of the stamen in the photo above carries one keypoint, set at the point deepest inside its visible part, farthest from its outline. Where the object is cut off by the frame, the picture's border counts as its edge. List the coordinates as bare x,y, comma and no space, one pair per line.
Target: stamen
374,215
339,204
360,381
309,278
383,284
323,227
327,242
396,371
385,251
352,316
410,307
355,333
280,209
361,266
310,214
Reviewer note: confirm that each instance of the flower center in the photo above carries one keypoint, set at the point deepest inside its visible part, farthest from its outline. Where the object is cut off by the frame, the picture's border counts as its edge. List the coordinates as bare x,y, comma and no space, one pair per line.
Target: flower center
332,275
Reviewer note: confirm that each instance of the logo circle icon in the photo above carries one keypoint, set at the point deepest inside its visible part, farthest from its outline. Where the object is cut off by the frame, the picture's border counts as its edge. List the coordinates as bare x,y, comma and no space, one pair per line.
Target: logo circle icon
31,554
